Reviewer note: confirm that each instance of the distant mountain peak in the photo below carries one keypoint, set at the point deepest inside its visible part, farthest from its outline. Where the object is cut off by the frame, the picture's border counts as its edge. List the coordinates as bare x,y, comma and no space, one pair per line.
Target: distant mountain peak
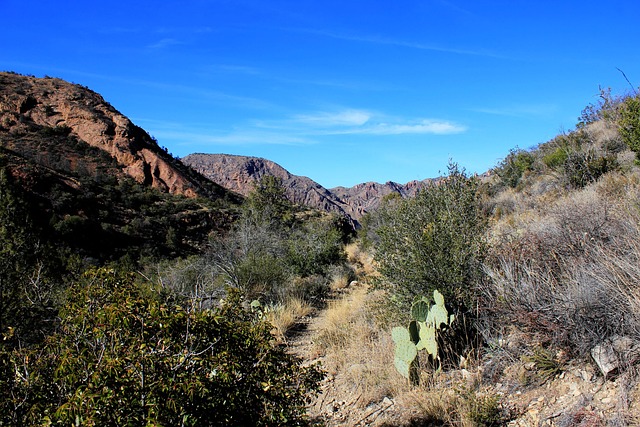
240,173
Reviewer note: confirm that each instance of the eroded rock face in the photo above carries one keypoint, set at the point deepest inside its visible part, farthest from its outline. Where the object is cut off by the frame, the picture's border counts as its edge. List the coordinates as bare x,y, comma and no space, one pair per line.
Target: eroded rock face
240,173
26,101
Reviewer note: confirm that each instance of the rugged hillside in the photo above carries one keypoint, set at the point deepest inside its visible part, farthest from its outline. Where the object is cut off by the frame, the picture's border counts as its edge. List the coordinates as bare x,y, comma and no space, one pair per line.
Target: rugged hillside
366,197
30,104
96,184
239,173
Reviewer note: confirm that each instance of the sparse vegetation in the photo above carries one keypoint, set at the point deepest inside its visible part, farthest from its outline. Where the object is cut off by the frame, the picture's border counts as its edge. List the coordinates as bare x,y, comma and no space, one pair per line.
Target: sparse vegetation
538,261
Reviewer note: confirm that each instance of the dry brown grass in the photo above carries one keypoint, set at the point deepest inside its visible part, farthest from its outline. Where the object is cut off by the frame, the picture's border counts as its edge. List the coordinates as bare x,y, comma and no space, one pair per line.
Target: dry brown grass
356,352
283,316
362,260
570,271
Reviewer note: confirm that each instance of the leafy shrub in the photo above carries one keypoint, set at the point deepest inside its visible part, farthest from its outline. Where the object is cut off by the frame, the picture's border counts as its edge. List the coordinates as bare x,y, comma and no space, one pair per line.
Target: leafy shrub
556,158
125,356
584,167
313,248
434,241
513,167
629,123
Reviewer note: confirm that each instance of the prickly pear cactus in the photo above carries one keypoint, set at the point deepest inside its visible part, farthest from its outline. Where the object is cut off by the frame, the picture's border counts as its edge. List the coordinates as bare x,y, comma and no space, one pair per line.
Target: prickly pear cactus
405,353
421,334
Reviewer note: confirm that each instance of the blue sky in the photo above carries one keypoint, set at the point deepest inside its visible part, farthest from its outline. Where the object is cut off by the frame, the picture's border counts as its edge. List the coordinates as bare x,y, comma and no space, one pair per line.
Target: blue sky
340,91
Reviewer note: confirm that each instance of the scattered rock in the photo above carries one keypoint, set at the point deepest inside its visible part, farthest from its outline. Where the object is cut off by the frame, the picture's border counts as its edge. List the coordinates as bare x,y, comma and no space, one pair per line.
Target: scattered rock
613,353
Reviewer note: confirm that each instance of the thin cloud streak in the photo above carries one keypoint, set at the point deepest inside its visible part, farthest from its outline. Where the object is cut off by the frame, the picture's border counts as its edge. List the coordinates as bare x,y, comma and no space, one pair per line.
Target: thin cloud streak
401,43
357,122
519,110
164,43
248,137
433,127
342,118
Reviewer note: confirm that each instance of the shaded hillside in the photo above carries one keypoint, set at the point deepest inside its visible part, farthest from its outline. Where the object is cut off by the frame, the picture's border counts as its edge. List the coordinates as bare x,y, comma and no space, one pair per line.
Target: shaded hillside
50,105
95,183
240,173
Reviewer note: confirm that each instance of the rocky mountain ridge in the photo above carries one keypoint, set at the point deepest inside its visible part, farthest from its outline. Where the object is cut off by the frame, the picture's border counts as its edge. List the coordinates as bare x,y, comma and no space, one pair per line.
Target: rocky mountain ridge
240,173
29,104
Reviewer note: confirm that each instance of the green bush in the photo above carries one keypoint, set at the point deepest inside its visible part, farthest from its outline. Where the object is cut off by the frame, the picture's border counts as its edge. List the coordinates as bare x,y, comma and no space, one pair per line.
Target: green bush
314,247
123,355
584,167
514,166
434,241
556,158
629,123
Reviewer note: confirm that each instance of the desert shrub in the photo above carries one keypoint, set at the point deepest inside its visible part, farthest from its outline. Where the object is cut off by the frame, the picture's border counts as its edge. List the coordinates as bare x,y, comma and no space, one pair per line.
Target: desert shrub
569,277
514,166
259,274
268,203
584,167
556,158
125,356
629,123
27,280
433,241
314,247
606,108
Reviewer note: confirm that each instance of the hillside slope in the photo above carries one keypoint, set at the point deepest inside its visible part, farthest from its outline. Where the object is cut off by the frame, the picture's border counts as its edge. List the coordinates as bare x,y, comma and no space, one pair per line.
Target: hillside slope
30,104
94,182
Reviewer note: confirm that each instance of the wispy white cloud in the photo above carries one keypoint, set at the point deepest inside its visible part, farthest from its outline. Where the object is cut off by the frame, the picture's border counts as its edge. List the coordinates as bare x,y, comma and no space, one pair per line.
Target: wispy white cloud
235,69
233,138
519,110
300,129
164,43
357,121
348,117
426,126
401,43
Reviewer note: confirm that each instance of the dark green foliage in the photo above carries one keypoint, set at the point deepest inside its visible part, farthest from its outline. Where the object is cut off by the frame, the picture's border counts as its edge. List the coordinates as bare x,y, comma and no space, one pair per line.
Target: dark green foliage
25,286
555,159
629,123
433,241
584,167
124,355
271,251
313,247
514,166
268,203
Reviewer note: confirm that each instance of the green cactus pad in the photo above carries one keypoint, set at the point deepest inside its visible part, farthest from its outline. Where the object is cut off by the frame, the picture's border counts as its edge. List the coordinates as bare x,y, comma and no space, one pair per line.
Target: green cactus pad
403,367
428,340
420,310
400,334
406,351
438,316
438,298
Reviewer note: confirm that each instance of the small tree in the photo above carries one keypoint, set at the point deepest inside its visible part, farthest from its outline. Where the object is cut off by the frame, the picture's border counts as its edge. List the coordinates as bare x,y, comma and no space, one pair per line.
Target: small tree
268,203
434,241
